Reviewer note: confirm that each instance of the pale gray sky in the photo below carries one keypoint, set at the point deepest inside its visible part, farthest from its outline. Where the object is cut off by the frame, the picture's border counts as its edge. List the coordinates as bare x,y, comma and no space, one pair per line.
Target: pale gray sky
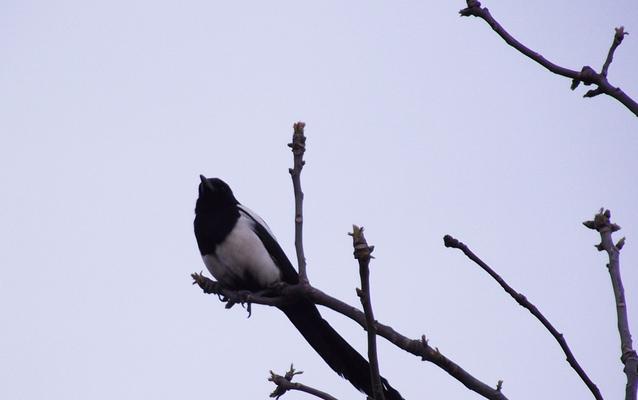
420,123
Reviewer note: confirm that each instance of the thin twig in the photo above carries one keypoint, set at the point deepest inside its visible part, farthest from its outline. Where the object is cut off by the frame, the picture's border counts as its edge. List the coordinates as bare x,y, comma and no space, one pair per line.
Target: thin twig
586,75
363,254
418,347
618,37
602,223
522,300
298,146
284,384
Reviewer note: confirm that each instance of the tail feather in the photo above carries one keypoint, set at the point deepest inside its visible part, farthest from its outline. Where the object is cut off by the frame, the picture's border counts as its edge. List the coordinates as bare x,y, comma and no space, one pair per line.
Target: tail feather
334,349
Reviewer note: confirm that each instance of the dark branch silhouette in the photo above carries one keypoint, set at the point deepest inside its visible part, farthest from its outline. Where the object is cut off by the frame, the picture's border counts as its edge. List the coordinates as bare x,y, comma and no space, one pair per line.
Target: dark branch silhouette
298,146
449,241
289,293
284,384
363,253
586,75
602,223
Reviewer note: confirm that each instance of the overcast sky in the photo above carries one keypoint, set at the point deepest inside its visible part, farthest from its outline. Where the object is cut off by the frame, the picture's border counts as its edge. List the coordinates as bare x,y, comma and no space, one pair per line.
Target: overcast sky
420,123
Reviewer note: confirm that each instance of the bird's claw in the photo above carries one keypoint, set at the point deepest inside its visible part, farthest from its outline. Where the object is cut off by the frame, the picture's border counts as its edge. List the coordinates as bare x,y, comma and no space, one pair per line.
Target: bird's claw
206,284
242,297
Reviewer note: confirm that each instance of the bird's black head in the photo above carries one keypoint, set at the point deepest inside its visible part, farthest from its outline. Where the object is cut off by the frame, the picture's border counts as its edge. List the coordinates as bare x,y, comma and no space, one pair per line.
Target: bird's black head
214,194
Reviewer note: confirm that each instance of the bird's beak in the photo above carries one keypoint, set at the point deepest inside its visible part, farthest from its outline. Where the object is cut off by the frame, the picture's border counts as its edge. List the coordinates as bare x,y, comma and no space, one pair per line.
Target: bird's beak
206,183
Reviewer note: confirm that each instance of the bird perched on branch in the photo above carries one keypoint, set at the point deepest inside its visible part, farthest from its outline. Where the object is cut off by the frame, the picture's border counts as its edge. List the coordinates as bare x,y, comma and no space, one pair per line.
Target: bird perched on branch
241,252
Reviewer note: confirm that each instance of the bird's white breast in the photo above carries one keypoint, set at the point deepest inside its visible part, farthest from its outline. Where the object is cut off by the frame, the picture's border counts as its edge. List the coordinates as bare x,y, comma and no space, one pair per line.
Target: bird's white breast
242,256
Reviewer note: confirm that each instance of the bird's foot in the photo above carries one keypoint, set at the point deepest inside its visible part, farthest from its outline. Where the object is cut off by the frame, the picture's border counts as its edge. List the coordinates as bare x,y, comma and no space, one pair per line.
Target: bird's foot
208,285
241,297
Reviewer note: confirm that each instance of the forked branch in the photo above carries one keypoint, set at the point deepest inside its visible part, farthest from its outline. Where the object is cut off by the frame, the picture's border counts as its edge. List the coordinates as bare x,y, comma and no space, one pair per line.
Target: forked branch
284,384
284,294
586,75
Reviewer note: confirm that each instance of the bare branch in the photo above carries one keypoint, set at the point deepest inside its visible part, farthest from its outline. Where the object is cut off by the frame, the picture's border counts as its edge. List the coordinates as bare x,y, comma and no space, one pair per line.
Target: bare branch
363,253
298,147
602,223
419,347
618,37
522,300
284,384
586,75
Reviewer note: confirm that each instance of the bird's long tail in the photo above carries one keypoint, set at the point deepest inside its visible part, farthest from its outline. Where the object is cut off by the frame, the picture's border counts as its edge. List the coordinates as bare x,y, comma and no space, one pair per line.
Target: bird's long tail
334,349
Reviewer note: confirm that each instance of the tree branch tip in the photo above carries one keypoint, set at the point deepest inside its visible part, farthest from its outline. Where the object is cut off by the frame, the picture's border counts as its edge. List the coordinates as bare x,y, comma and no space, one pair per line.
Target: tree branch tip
621,243
602,222
466,12
590,224
292,372
575,83
469,12
499,385
298,144
361,247
620,33
593,93
449,241
473,9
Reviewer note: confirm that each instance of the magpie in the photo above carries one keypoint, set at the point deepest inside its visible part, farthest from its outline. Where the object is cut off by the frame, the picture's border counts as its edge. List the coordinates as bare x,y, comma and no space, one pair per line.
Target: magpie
241,252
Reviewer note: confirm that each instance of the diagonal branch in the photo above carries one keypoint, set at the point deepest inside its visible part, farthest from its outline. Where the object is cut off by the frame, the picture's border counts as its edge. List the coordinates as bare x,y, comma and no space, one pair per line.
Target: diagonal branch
522,300
298,147
418,347
586,75
602,223
363,253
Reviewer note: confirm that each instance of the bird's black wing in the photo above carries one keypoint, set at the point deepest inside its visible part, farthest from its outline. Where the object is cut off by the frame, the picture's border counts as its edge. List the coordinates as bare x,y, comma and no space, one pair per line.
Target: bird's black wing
288,272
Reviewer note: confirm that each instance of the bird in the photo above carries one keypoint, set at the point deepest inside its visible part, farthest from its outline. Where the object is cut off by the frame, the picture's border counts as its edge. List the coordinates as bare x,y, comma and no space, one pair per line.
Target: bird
241,252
